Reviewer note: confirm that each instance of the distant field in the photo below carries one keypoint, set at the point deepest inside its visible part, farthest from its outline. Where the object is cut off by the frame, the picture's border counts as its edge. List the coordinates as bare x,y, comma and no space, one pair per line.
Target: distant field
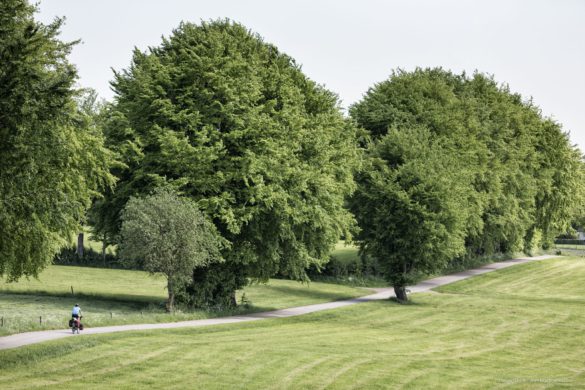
106,283
514,328
89,243
121,296
345,253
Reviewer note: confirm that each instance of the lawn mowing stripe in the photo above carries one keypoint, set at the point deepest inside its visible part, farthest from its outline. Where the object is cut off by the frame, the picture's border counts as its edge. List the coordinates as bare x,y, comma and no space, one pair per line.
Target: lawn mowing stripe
272,341
28,338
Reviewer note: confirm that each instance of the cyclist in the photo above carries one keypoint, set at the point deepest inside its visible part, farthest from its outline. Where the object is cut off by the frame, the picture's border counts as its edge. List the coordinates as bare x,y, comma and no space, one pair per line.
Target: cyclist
76,312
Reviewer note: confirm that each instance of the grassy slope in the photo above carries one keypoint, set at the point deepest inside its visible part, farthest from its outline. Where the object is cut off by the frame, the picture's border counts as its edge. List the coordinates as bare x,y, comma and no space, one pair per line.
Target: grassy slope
122,297
107,283
510,329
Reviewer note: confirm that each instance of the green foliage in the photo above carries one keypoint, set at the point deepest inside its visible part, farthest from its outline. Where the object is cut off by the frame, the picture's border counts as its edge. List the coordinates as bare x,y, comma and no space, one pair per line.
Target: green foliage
560,198
164,233
234,123
347,266
516,177
412,205
52,160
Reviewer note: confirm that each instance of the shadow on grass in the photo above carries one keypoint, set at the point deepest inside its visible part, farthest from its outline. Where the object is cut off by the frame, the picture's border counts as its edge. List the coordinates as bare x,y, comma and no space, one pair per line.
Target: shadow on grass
99,304
411,302
95,299
307,292
141,300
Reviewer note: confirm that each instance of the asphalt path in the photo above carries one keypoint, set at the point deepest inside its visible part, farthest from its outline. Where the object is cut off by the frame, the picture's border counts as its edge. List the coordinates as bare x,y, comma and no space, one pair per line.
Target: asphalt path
22,339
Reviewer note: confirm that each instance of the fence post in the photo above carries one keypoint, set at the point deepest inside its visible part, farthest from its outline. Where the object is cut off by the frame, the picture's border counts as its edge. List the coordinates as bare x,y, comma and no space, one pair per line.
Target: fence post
111,315
72,293
2,321
80,245
40,320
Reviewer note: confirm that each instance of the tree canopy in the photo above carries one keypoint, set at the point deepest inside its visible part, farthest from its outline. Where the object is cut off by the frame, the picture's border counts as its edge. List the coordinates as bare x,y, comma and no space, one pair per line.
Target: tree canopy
52,162
234,123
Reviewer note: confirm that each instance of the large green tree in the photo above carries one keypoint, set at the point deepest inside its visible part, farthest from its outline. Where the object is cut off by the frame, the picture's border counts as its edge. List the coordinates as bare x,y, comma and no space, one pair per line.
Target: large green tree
165,233
526,177
52,161
234,123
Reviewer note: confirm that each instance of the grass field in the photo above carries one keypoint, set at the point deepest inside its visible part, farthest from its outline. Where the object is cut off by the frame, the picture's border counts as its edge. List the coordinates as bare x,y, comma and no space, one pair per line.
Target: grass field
345,253
520,328
110,297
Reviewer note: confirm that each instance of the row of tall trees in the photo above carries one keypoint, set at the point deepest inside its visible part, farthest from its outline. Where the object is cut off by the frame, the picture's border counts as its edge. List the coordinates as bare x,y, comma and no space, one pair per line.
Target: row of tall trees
429,166
459,166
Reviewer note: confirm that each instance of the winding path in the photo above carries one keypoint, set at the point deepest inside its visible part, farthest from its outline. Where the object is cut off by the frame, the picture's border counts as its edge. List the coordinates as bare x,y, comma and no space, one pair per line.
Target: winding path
21,339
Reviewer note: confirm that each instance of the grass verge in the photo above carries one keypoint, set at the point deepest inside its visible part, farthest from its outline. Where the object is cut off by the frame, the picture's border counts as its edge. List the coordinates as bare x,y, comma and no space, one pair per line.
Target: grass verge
486,332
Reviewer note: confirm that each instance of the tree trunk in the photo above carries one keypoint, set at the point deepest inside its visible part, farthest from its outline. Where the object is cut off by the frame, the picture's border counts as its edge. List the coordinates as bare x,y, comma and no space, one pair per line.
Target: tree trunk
234,299
400,292
104,245
80,245
171,301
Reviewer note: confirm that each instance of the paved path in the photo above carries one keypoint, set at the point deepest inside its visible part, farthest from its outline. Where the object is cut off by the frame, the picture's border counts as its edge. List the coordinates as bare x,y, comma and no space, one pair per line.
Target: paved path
21,339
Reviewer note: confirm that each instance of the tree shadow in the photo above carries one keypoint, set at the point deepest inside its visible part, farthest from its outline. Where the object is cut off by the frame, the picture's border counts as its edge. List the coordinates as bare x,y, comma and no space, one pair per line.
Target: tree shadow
96,299
306,292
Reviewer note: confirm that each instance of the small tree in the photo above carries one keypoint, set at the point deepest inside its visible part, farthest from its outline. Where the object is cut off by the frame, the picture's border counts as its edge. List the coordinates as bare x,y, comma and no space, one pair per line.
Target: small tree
164,233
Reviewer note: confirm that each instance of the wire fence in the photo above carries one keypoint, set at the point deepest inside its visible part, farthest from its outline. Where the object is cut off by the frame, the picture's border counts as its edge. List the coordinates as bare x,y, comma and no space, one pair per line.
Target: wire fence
18,324
27,323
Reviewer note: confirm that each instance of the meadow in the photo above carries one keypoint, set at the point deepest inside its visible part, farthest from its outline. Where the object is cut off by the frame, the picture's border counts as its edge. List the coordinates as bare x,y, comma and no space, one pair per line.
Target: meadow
111,297
522,327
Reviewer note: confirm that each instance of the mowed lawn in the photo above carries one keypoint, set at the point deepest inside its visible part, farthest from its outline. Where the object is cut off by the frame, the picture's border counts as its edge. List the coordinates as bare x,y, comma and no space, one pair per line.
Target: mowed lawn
110,297
521,328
